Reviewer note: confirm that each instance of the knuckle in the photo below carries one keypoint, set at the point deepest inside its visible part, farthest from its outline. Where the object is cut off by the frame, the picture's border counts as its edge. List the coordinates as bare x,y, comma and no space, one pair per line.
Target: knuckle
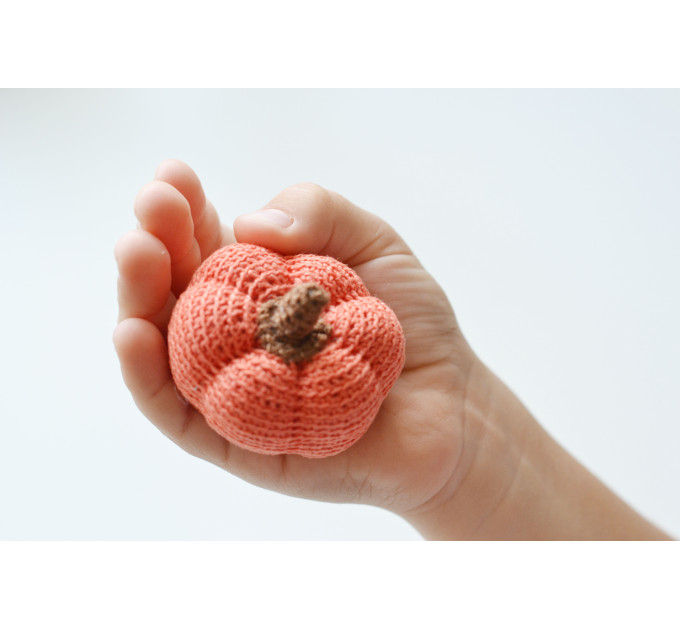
312,193
153,194
123,247
146,190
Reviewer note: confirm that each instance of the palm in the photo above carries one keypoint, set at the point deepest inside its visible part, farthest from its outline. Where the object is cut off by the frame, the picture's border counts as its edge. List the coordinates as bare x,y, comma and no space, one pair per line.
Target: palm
412,447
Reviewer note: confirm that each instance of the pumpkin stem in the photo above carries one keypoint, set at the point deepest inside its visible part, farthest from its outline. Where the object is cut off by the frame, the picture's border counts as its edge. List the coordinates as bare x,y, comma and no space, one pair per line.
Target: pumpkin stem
289,326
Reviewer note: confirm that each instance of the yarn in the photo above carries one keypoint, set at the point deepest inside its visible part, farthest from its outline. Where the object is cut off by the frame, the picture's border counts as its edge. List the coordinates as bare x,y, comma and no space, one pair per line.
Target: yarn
283,354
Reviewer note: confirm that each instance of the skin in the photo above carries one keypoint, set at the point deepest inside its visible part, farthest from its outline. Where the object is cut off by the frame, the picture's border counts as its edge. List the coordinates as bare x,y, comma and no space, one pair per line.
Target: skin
452,450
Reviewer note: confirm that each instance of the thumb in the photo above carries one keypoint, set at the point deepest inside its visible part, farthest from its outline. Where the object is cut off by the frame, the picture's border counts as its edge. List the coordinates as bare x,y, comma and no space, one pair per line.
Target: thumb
308,218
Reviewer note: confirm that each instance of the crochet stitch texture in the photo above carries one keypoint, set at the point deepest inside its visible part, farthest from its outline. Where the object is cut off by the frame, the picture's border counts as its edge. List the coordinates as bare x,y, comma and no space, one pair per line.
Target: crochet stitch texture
240,352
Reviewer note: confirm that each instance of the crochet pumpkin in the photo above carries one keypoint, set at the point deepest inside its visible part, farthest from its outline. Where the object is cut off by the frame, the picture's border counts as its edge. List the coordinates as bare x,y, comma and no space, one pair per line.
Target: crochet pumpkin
283,354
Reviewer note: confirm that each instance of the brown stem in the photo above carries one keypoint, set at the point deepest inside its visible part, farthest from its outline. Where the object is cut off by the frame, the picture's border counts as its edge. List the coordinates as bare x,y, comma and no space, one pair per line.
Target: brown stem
289,326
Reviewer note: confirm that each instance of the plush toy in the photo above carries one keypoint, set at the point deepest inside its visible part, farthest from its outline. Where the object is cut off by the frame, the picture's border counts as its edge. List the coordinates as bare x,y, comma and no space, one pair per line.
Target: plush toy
283,354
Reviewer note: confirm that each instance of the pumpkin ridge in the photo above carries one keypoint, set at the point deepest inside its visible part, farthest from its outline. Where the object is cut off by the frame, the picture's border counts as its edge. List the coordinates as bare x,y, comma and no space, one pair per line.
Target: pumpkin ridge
209,369
220,406
378,361
347,369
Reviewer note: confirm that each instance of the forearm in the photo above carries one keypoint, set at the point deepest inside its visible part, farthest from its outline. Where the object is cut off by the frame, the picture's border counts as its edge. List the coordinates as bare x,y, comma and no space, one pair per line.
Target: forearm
516,482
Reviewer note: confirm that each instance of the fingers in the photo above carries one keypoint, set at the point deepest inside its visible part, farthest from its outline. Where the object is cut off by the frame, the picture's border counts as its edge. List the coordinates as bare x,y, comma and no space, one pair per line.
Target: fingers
156,262
164,212
144,278
143,358
174,209
308,218
206,223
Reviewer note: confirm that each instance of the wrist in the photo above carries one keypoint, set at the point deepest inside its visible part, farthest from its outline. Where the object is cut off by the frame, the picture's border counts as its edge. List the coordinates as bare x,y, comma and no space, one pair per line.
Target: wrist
513,481
495,426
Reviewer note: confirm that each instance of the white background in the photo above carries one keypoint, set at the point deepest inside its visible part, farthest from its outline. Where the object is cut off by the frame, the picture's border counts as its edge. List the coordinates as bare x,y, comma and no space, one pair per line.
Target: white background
551,219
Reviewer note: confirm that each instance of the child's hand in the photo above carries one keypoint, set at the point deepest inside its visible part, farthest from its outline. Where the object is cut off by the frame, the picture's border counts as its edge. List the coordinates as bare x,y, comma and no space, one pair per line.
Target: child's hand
449,447
411,451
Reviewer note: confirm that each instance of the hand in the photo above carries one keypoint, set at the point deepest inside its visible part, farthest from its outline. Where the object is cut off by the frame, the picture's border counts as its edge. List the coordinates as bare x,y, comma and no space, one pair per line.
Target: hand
452,449
410,455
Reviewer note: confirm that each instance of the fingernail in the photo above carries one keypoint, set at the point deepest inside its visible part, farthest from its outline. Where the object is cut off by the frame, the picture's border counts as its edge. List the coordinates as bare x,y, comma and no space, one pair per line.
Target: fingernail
275,217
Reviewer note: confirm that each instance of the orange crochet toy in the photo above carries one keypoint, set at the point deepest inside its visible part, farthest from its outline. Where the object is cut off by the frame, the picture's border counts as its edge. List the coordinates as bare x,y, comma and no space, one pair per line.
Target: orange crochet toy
283,354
